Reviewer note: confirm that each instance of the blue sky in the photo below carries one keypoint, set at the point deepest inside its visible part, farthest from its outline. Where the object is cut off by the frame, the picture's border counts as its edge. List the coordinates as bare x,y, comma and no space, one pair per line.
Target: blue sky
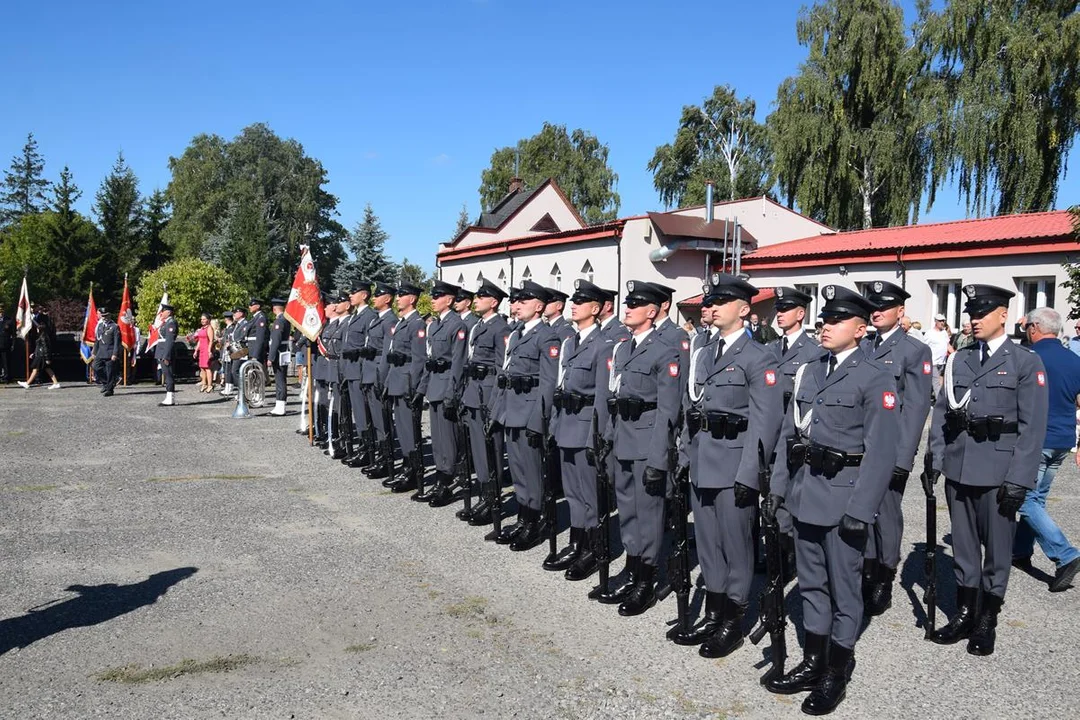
402,102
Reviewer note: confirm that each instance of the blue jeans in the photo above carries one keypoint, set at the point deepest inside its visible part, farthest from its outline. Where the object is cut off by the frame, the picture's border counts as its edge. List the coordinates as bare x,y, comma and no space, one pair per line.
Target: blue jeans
1036,524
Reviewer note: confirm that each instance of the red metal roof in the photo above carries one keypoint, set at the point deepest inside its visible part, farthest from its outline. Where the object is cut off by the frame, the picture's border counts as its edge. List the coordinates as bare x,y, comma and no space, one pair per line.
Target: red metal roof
934,239
762,295
595,232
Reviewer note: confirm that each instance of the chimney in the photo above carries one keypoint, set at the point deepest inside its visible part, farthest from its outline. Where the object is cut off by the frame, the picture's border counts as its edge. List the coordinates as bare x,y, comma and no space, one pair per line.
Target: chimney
708,201
516,184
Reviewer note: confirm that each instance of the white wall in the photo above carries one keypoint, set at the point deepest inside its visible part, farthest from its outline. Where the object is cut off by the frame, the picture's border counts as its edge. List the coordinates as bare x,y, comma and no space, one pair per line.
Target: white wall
767,221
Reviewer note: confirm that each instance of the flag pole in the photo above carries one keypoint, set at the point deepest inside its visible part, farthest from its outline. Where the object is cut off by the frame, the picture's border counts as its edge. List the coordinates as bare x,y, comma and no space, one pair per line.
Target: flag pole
125,367
311,423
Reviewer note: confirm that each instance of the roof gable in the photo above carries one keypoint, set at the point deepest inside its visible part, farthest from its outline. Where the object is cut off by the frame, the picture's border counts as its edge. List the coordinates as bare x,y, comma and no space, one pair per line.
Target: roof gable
545,225
520,212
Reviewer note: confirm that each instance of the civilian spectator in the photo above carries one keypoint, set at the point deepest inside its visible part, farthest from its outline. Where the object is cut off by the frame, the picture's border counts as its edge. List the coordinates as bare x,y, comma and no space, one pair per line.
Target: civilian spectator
1043,326
938,340
759,332
40,359
1074,341
215,353
910,328
963,338
204,343
7,346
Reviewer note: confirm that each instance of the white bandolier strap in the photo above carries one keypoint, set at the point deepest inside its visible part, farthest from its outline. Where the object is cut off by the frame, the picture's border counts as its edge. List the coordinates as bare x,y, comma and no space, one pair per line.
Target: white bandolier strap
562,366
615,378
802,422
950,394
506,350
691,388
472,335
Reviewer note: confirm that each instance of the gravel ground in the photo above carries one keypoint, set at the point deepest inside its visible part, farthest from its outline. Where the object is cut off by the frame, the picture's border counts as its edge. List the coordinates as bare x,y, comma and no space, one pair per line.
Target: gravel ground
176,563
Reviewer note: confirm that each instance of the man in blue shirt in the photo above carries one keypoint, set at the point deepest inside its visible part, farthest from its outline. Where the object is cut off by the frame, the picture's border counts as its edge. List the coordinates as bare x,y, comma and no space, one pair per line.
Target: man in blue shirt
1043,327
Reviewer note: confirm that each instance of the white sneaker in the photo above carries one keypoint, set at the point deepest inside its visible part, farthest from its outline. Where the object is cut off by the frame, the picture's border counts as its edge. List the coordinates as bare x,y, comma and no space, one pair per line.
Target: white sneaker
23,384
168,401
279,408
55,386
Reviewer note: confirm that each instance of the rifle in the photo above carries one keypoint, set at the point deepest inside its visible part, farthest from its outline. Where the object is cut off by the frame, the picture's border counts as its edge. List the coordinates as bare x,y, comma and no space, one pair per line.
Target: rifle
602,540
388,421
418,439
930,596
465,469
493,488
547,482
678,565
772,619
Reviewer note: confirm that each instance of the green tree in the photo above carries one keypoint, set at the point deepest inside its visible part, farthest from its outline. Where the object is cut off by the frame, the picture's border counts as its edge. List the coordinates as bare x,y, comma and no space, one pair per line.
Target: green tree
155,220
719,140
44,243
253,248
119,211
23,190
463,222
1073,270
215,181
413,273
848,134
577,161
194,287
367,245
74,242
1010,74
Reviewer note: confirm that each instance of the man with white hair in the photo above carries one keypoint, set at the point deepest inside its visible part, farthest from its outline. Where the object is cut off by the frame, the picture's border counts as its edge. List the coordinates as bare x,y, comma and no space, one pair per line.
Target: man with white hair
937,338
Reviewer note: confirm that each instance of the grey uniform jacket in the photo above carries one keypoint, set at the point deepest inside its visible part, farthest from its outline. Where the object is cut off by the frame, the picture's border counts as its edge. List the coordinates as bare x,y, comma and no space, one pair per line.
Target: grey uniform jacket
279,339
800,352
407,338
1012,384
446,342
374,368
909,361
562,328
163,350
331,338
742,382
257,333
854,410
531,353
239,334
582,369
320,365
678,338
354,337
487,347
651,373
614,331
107,343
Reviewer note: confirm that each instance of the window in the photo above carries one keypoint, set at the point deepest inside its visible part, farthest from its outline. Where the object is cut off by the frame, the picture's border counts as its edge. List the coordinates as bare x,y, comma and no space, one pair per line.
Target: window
947,301
479,279
460,280
812,308
502,279
587,271
527,274
556,277
1036,292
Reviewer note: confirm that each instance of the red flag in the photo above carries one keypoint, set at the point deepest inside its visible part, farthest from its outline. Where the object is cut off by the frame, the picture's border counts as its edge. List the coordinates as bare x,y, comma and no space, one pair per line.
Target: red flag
90,321
126,320
152,336
23,319
305,309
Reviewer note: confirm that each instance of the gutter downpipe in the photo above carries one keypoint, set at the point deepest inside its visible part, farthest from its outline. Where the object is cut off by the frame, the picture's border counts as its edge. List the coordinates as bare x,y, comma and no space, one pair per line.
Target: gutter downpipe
903,268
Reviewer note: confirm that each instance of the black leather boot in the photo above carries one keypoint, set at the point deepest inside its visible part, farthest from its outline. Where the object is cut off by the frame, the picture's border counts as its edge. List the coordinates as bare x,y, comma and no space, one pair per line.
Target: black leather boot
963,622
531,534
830,692
480,515
464,514
715,605
643,596
585,563
569,553
442,495
509,532
985,632
880,598
805,675
729,637
409,475
869,578
361,458
616,596
431,490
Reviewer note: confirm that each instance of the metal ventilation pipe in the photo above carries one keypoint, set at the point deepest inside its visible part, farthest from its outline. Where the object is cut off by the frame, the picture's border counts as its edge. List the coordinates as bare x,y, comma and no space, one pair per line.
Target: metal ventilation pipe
708,201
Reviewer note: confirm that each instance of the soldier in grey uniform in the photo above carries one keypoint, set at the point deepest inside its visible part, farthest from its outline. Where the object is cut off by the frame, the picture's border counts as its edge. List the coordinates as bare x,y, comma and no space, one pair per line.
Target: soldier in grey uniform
279,343
406,355
553,313
163,353
373,377
332,337
463,303
106,352
582,368
226,359
485,354
239,340
354,339
793,349
639,415
528,384
834,460
447,340
610,327
320,374
910,363
257,332
735,406
986,437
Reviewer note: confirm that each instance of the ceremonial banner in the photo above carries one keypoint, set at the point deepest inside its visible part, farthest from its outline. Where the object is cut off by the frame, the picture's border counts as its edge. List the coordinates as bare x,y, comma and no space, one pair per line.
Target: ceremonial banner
126,320
153,337
305,308
23,320
89,329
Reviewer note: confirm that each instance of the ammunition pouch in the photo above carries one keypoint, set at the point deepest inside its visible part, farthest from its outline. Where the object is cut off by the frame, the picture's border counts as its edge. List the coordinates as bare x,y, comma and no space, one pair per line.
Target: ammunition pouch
438,365
631,408
830,461
573,403
521,383
796,453
397,359
476,371
368,353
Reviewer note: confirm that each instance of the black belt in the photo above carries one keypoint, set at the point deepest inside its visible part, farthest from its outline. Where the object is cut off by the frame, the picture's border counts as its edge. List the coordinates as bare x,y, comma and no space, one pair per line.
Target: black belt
518,383
987,427
572,402
368,353
437,365
718,424
477,371
821,458
397,359
630,408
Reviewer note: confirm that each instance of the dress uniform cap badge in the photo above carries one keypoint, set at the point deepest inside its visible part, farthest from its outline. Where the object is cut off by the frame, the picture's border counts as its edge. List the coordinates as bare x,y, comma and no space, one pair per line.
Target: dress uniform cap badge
770,377
878,287
673,369
630,285
888,400
779,292
577,284
969,291
716,278
830,292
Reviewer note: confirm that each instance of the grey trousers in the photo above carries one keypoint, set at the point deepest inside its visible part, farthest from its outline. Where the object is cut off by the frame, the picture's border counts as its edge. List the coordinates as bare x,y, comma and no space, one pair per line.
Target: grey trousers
444,439
641,515
375,412
479,450
403,424
359,406
982,538
579,486
830,580
524,468
724,542
888,530
281,383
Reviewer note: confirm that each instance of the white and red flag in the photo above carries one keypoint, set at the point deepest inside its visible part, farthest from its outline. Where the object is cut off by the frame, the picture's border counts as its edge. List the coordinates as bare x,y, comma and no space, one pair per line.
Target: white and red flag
153,337
126,320
90,320
305,307
23,319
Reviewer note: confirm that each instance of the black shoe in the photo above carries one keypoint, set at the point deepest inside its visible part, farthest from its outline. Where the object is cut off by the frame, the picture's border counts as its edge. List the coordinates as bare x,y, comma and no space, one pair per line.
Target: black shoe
359,460
960,626
807,674
107,393
584,566
1064,576
431,490
530,535
1022,563
466,515
729,637
832,689
377,472
404,483
569,553
715,606
643,596
985,633
880,598
442,497
616,596
481,514
509,532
